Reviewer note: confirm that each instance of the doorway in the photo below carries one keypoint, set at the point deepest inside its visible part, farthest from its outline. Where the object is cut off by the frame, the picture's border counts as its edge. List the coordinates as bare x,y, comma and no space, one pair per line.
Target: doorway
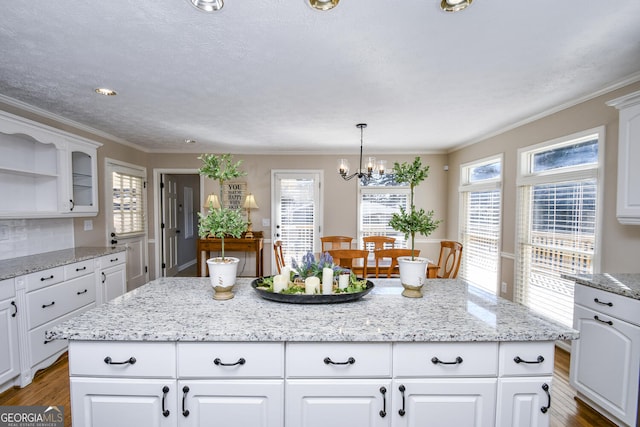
178,193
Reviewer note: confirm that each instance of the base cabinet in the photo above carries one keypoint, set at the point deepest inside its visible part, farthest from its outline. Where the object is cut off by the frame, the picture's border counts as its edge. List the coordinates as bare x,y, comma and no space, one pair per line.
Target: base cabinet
605,361
9,351
523,402
112,277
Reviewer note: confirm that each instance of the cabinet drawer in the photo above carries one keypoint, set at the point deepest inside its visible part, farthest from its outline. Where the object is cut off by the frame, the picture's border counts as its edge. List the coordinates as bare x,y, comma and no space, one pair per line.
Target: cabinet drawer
230,360
338,360
112,259
445,359
7,289
623,308
78,269
43,278
122,359
526,358
49,303
42,348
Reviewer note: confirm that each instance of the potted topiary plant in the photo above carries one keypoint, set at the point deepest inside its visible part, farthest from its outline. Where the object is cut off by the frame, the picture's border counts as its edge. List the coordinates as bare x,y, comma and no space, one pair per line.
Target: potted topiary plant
412,269
221,222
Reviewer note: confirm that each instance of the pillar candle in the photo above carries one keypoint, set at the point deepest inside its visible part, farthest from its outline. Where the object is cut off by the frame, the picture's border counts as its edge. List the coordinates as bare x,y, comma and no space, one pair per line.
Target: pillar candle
286,273
327,281
311,284
279,283
343,281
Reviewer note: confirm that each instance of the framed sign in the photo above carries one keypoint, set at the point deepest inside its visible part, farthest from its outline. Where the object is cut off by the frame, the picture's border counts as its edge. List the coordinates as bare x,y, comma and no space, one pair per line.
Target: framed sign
233,194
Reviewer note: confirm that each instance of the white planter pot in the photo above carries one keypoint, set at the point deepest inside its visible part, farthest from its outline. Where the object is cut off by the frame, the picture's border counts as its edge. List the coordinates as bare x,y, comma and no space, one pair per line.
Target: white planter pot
223,276
413,274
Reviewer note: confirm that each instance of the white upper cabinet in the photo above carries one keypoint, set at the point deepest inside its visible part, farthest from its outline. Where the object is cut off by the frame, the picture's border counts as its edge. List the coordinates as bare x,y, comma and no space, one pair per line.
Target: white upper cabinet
45,172
628,206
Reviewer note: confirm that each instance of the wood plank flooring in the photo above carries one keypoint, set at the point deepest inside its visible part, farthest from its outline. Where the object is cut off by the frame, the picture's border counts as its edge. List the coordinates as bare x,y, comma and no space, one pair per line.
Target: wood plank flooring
51,387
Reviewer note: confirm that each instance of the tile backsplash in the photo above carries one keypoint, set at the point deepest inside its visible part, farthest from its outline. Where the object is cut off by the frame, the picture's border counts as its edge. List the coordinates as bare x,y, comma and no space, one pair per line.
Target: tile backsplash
22,237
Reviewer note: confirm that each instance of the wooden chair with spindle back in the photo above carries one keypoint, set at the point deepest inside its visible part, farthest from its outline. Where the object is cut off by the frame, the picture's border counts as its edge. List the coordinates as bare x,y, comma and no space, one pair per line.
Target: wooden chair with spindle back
449,260
350,258
335,242
391,268
277,251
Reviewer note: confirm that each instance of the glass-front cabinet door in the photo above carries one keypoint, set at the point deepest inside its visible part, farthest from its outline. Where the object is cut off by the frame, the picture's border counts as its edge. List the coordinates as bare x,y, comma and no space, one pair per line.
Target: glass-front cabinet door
83,189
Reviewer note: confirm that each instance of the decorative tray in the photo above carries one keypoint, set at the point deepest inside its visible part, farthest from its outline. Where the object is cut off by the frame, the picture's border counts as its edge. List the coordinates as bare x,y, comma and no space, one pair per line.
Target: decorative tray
310,299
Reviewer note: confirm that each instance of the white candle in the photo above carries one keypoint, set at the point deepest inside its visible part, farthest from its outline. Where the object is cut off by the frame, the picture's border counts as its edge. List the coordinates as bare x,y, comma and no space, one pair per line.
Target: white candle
279,283
343,281
311,284
286,273
327,281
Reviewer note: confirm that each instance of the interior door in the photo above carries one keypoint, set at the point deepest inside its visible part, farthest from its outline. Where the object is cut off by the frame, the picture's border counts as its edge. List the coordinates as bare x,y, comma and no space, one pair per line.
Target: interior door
297,213
169,225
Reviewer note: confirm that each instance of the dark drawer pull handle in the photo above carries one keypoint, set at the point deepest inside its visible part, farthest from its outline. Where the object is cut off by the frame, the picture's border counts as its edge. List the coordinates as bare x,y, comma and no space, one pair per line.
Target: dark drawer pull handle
608,322
185,390
15,308
81,269
131,361
104,277
328,361
113,260
82,292
48,305
401,411
72,204
518,359
42,279
597,301
544,409
435,361
219,362
165,390
383,413
47,341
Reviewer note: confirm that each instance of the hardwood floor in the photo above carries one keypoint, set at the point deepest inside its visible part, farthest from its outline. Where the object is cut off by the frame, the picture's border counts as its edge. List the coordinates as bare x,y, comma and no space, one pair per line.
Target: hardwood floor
51,387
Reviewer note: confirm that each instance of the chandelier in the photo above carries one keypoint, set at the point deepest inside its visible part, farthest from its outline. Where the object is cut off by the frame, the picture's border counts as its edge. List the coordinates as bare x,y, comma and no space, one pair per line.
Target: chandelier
372,165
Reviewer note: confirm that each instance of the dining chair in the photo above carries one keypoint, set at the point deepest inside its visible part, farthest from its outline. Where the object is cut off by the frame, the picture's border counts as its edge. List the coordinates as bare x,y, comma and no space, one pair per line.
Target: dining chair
376,243
335,242
449,259
391,266
277,251
350,258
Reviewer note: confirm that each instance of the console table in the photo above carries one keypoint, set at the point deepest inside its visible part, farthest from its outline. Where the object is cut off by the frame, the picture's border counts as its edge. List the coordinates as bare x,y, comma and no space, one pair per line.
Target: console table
254,244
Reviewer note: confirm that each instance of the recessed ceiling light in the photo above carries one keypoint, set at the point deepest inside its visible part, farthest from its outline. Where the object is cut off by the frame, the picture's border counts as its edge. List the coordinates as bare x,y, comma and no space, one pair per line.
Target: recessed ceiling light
454,5
323,4
189,141
106,92
207,5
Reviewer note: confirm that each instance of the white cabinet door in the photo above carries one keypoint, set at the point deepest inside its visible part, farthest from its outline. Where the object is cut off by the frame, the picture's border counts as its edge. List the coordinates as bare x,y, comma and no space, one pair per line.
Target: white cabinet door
338,403
231,403
82,184
444,402
605,362
113,282
9,358
524,402
108,402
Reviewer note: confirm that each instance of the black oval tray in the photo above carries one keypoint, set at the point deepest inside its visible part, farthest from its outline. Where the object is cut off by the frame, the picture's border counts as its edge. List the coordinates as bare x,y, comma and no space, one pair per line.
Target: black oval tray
310,299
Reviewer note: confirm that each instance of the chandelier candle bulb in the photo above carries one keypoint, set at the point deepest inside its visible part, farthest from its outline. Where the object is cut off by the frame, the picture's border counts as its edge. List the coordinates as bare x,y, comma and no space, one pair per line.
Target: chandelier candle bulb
343,281
279,283
311,284
327,281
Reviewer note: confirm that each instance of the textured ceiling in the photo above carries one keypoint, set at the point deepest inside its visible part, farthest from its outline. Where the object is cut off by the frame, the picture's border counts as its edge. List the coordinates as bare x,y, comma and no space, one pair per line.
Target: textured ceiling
277,76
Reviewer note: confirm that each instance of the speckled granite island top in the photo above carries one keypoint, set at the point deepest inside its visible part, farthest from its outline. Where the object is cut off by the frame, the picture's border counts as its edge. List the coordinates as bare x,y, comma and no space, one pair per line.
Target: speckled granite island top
15,267
627,285
182,309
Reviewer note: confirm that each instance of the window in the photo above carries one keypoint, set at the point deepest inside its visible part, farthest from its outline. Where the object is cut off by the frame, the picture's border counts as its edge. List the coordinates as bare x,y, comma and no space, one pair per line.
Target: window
480,221
128,203
379,199
558,199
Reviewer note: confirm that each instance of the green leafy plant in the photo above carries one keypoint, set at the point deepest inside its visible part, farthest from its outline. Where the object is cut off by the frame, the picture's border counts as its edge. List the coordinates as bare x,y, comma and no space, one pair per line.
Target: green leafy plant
221,222
414,221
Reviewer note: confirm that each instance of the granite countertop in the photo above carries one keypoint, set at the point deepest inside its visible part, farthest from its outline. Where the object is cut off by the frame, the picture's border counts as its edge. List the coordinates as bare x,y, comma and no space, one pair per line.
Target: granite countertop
625,284
14,267
182,309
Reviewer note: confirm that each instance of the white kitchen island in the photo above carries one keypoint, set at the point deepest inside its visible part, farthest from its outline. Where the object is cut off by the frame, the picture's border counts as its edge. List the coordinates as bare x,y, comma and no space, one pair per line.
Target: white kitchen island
167,354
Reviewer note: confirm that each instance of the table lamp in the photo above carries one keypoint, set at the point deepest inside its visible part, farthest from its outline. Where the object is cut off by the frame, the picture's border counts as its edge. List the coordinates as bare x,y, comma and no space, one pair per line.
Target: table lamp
249,203
212,202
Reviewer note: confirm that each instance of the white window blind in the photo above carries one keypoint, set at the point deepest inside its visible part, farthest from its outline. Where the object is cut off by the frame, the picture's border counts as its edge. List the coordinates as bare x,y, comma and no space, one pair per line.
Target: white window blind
128,204
377,205
297,209
557,223
480,222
